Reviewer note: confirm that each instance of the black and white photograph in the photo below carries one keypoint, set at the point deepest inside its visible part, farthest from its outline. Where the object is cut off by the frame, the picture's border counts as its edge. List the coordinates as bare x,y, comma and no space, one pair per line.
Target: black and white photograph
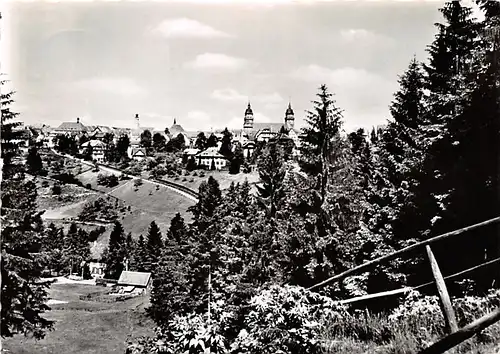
250,176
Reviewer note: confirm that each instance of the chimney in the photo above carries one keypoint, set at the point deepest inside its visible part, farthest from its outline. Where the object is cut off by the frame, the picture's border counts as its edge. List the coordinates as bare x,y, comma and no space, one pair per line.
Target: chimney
78,120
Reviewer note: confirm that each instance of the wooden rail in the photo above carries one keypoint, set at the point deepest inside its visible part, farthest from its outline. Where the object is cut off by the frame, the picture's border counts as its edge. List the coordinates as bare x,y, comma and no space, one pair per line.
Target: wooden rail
402,251
463,334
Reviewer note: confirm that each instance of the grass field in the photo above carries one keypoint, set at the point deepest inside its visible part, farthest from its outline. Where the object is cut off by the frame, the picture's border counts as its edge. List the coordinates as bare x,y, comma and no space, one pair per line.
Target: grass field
90,177
149,204
87,327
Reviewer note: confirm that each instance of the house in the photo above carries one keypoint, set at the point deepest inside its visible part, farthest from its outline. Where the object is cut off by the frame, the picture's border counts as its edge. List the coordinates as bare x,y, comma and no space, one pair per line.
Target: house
211,157
97,270
137,154
70,128
98,149
134,282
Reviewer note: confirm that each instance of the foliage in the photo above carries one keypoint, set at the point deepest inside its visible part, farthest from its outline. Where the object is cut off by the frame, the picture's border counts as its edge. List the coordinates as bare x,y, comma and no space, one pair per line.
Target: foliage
24,296
272,173
100,209
34,161
107,180
117,251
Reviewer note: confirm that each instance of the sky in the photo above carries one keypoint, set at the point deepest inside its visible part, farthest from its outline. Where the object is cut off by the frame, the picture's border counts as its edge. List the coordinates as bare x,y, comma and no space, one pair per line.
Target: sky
202,62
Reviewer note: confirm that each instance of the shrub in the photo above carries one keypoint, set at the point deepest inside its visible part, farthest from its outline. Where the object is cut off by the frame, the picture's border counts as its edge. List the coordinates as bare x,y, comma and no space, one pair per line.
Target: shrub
138,182
100,209
45,184
56,189
107,180
88,186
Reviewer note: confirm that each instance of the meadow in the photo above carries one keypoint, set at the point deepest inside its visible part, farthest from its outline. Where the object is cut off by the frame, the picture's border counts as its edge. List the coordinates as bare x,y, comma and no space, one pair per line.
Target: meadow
88,327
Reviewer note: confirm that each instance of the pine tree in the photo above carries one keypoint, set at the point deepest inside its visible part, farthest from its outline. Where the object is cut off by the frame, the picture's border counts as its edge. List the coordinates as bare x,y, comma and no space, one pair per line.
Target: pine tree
24,296
319,139
34,161
226,147
272,173
236,160
201,141
212,141
154,244
209,198
140,256
178,230
76,247
116,252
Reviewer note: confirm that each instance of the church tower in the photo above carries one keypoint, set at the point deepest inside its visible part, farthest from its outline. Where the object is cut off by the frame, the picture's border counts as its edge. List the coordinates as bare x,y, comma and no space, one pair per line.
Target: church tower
248,123
137,125
289,117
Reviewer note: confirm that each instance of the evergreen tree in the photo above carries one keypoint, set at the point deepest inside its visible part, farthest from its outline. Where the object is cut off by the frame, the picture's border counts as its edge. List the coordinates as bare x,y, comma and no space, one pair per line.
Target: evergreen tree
34,161
76,247
122,146
320,138
154,244
140,256
24,296
159,142
201,141
212,141
226,147
116,252
88,152
178,230
272,173
209,198
146,140
237,160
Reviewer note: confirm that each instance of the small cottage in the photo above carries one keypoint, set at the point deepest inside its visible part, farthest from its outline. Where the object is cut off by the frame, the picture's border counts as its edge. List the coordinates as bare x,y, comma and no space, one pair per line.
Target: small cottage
134,282
211,157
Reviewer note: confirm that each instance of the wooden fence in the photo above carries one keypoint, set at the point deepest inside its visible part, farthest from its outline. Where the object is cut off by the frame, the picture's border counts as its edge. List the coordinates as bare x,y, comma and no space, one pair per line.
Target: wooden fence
456,335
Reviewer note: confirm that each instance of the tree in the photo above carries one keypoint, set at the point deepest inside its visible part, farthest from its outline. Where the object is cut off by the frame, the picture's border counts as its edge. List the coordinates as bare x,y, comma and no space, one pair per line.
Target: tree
122,146
178,230
167,131
177,143
140,261
159,142
201,141
24,296
154,244
319,139
271,173
212,141
226,145
146,140
209,198
76,247
237,160
34,161
191,164
88,153
117,252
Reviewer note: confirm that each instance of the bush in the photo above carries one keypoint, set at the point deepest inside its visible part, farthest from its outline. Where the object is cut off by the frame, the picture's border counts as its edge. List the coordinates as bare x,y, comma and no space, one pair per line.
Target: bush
88,186
68,178
56,189
107,180
45,184
100,209
138,183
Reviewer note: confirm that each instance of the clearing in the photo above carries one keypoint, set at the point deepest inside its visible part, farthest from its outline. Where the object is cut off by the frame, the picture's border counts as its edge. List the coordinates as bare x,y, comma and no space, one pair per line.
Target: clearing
89,327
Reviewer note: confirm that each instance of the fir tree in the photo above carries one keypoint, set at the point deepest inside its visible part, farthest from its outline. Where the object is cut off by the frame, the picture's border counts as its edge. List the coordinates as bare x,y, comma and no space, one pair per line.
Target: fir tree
319,139
24,296
272,174
209,198
201,141
178,230
212,141
226,147
236,160
154,244
34,161
116,252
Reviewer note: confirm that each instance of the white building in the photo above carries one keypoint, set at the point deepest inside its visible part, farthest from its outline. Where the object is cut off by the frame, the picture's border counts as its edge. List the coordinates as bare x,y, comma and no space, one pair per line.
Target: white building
211,157
98,149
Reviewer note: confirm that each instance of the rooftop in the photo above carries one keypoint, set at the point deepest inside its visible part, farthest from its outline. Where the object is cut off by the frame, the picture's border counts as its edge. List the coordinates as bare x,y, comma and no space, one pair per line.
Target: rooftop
134,278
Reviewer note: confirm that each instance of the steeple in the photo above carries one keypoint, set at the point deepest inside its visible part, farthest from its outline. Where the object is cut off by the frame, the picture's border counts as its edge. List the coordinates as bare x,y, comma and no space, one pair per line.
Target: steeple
248,121
289,117
137,121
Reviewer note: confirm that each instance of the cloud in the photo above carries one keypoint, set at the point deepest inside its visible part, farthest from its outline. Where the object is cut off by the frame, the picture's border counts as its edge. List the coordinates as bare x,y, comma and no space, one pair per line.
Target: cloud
216,61
231,95
115,85
196,120
363,95
364,37
187,28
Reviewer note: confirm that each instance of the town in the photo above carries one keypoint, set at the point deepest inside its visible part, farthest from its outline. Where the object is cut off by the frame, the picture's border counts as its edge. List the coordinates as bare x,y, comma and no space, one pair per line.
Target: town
160,195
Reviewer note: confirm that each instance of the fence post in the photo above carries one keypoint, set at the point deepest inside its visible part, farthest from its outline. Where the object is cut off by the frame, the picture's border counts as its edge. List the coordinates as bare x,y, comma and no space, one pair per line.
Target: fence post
444,297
